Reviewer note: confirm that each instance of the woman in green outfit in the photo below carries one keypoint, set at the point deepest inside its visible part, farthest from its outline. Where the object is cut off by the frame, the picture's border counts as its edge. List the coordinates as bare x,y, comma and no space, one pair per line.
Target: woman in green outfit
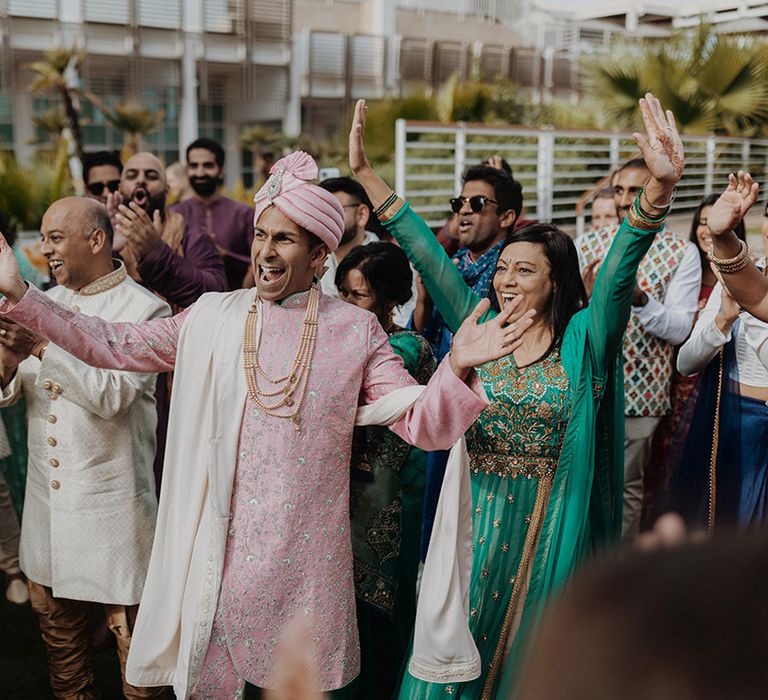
387,485
546,456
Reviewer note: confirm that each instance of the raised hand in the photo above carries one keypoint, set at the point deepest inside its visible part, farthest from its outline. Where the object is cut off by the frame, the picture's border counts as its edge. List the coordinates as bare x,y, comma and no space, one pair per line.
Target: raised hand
661,145
477,343
11,283
357,158
732,205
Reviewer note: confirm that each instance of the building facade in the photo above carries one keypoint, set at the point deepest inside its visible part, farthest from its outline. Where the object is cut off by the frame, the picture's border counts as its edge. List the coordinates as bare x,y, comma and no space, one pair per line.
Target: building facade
215,67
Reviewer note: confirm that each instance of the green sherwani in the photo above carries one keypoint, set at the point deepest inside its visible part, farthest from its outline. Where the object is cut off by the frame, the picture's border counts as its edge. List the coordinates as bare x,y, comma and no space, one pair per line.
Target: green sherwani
546,458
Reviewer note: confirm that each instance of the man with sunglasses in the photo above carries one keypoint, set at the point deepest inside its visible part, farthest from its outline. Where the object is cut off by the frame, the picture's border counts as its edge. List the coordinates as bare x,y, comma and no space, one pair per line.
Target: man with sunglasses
490,202
101,174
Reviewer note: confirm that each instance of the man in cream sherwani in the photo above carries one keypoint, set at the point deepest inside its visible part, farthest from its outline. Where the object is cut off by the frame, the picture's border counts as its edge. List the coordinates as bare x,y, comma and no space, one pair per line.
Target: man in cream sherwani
90,506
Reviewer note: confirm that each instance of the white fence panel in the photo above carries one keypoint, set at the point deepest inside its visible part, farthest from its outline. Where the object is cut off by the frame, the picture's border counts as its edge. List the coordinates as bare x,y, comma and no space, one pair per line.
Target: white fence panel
555,167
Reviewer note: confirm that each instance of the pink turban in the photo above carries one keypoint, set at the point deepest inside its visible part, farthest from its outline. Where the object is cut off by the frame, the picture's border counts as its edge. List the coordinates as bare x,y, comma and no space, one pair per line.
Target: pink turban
311,207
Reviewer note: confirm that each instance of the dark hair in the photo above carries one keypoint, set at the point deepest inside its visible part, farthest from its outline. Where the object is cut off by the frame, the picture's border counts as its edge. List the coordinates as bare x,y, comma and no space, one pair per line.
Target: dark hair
354,189
507,190
386,269
683,622
506,167
349,186
708,201
209,145
568,294
638,163
94,160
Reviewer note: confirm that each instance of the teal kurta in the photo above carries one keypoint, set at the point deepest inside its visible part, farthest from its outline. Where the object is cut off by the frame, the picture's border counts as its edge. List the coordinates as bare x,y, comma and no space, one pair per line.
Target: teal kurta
386,504
546,457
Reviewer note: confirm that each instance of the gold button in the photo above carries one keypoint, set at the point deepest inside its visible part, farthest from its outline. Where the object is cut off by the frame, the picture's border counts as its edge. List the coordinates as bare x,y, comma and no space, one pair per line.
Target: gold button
53,462
51,418
52,441
55,485
56,388
47,384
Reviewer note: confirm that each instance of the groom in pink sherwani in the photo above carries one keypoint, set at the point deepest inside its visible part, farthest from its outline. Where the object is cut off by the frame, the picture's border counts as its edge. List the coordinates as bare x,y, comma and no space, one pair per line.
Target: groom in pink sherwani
253,524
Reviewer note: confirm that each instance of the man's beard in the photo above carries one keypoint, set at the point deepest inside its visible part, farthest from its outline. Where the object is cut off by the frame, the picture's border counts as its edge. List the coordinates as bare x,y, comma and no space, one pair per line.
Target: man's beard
205,186
155,202
349,234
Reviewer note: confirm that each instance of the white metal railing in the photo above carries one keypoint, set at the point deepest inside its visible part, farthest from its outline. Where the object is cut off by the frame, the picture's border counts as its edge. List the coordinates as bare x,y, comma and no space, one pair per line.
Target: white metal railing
555,167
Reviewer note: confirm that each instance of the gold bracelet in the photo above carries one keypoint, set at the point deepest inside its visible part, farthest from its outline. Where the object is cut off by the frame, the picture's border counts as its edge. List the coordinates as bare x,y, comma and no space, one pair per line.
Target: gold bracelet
378,211
391,211
734,264
636,221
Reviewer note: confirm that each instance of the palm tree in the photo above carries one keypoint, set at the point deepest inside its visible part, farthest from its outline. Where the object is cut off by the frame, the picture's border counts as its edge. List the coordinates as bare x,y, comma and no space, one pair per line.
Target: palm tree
713,83
59,71
132,119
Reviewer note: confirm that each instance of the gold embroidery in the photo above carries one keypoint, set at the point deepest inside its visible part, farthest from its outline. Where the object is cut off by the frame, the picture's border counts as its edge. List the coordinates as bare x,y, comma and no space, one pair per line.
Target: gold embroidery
105,283
542,496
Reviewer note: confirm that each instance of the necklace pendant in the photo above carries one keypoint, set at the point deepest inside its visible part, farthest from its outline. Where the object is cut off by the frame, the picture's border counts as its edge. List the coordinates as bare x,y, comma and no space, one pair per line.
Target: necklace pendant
295,420
288,401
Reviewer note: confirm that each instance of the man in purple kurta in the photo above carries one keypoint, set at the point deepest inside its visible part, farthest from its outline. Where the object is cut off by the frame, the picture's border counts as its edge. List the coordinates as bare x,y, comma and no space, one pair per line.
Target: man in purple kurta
253,524
227,222
166,254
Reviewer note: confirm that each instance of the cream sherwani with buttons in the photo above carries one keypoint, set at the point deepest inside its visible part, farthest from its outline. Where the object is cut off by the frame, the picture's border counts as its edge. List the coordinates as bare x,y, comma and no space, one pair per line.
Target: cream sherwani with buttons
90,506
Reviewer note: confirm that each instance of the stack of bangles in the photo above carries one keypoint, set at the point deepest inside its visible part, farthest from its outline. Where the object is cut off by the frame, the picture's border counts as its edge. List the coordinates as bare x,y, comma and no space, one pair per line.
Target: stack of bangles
734,264
639,218
388,208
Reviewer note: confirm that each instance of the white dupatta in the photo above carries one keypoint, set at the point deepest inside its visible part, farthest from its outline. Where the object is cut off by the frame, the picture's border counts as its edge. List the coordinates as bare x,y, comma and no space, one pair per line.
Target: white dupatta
444,650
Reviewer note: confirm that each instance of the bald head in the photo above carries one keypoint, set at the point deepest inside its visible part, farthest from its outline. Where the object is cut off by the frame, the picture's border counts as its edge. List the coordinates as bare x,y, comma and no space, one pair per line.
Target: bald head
143,181
146,161
76,239
80,215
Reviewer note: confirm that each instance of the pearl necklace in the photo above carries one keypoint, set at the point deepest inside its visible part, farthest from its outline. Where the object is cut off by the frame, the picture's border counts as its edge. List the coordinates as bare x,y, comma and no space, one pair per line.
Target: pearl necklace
281,403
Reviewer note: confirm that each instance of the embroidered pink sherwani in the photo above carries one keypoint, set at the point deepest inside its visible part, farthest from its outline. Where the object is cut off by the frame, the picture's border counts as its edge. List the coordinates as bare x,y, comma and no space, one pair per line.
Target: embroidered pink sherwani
287,551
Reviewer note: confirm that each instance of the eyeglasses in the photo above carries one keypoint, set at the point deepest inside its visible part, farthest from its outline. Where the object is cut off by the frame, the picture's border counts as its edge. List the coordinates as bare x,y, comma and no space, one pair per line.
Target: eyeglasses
96,188
476,203
355,205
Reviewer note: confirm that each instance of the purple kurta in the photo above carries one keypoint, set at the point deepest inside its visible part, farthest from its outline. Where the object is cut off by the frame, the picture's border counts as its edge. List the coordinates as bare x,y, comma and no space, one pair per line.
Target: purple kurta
229,224
288,553
181,280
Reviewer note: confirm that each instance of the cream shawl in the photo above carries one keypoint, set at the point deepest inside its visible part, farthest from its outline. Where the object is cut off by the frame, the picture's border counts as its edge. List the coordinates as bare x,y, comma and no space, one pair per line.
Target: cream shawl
182,587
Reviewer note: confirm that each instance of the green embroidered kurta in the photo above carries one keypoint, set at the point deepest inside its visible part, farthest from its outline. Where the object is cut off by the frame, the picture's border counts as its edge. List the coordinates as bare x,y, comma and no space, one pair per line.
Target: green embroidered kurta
546,457
386,504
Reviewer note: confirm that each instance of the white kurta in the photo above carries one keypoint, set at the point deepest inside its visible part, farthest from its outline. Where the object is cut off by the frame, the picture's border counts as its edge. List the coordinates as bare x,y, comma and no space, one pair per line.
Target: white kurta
90,505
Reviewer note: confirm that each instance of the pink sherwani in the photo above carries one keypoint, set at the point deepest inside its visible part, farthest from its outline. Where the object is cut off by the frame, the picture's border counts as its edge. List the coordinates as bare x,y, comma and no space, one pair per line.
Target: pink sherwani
287,553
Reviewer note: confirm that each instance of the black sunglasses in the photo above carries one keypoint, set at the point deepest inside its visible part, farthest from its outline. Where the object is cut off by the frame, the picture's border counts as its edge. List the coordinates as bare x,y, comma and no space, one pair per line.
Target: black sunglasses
476,203
96,188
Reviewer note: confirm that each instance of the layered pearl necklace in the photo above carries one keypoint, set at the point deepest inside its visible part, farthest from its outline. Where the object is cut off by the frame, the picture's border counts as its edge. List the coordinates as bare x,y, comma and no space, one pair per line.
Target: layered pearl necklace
286,400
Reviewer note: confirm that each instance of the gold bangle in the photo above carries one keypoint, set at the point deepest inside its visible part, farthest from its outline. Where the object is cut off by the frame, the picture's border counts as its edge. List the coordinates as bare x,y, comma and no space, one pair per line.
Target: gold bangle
391,211
636,221
734,264
378,211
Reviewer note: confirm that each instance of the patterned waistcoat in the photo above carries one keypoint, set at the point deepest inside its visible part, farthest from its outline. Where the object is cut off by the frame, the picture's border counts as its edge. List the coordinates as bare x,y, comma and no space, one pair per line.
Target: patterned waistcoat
648,360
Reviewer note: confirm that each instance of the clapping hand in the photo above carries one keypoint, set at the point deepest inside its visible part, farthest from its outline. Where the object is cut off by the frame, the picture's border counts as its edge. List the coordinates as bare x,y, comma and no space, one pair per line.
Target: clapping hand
134,224
358,160
733,204
477,343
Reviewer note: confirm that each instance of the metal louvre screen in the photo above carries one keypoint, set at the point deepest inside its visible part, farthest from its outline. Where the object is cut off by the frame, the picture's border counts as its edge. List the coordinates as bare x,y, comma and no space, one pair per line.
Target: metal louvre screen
271,19
107,11
555,167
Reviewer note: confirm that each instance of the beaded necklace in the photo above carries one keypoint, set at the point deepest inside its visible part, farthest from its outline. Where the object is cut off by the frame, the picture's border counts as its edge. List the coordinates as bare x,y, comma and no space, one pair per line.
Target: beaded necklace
281,403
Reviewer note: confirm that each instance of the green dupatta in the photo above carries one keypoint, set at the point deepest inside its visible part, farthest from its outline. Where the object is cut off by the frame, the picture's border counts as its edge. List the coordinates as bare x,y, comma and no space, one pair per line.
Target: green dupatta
585,505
